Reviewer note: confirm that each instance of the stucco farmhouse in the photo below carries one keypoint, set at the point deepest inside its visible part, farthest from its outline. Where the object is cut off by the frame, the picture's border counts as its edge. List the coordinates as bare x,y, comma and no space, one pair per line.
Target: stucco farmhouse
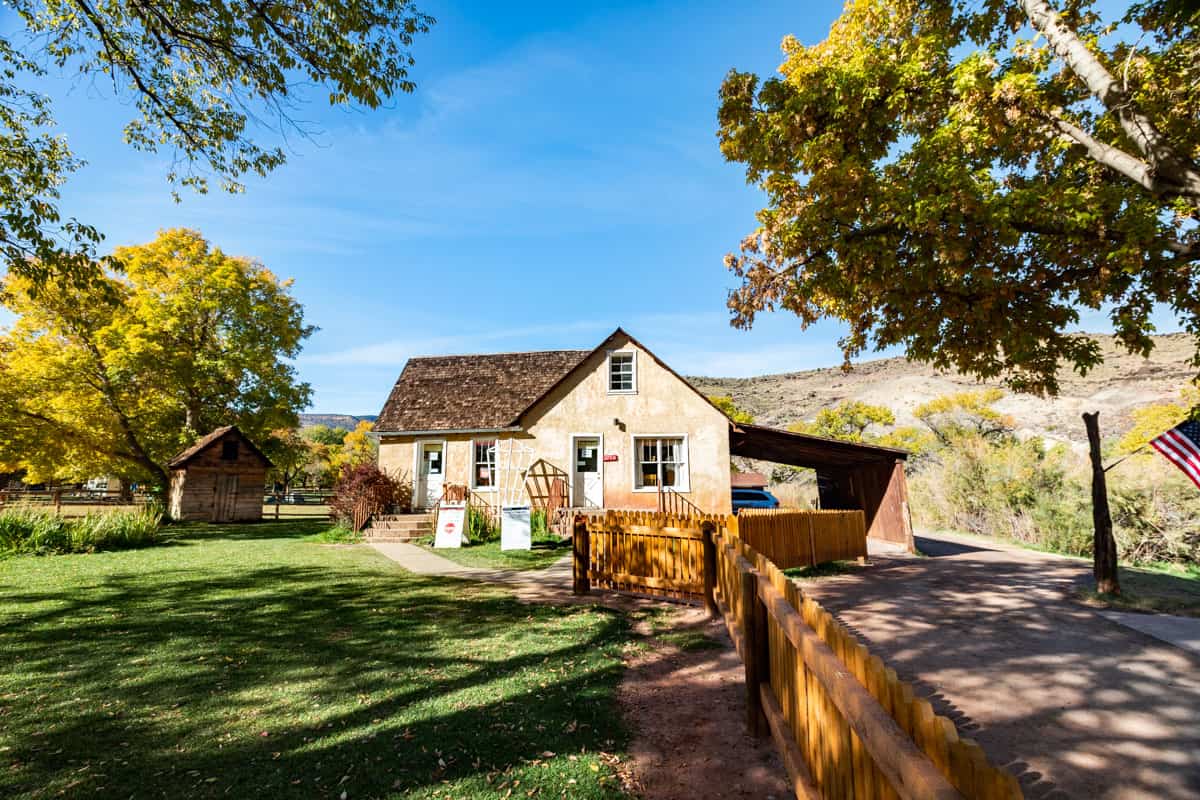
613,427
615,422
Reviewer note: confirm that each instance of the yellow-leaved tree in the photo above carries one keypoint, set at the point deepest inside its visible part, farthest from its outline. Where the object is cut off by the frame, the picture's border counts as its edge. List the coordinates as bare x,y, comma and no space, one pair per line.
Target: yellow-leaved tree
116,377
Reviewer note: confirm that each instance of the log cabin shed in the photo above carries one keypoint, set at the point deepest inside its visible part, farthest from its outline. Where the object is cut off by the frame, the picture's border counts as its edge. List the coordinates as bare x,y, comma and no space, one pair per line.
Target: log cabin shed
221,478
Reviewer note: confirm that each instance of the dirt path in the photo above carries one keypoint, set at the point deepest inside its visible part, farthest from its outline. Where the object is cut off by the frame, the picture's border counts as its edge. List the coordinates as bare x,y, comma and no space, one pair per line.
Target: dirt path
688,711
1074,704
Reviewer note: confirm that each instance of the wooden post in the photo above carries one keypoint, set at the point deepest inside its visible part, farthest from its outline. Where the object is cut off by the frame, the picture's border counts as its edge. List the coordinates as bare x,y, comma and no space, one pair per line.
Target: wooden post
582,548
708,530
1104,561
756,722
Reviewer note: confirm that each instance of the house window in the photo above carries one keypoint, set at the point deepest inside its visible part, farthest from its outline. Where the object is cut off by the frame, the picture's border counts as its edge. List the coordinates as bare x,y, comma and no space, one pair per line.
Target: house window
229,450
622,373
483,464
661,462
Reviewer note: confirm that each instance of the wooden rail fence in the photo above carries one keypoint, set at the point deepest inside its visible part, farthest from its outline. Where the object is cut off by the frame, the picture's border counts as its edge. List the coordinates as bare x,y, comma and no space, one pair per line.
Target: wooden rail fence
845,725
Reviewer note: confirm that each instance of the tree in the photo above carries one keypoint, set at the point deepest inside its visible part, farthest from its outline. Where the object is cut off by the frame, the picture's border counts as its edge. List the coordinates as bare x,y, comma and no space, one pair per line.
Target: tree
952,416
848,421
1149,421
961,178
729,408
290,453
116,377
196,74
326,435
358,447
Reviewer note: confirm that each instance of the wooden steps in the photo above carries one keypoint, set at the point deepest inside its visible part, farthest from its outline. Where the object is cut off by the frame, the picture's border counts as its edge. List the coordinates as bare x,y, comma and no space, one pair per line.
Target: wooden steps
398,527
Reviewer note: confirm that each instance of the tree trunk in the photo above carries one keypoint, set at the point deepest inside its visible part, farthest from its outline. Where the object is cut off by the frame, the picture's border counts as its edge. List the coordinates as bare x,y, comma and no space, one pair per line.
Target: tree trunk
1104,545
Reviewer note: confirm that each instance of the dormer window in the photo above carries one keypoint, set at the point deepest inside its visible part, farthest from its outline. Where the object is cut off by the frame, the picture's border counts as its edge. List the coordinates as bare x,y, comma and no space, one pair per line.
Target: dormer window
622,372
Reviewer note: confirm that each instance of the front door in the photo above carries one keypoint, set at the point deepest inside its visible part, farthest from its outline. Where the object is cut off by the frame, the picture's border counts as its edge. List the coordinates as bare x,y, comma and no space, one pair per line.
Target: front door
225,499
588,485
431,469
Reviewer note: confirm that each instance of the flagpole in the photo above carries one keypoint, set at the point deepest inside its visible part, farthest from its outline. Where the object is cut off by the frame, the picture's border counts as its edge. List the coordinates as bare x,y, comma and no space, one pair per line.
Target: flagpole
1119,460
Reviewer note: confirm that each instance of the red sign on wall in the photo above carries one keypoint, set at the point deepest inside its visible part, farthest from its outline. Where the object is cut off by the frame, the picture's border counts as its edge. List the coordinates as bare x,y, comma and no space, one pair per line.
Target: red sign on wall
610,458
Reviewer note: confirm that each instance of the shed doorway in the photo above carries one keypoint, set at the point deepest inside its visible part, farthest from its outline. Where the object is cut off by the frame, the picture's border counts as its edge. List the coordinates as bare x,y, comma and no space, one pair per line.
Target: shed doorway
225,499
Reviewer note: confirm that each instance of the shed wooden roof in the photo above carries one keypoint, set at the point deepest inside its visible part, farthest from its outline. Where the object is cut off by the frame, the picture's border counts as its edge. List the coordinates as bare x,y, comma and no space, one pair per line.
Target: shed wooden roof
212,438
803,450
474,392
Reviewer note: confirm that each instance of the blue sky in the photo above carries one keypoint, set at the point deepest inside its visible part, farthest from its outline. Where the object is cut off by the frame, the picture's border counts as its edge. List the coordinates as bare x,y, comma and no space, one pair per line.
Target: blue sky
556,174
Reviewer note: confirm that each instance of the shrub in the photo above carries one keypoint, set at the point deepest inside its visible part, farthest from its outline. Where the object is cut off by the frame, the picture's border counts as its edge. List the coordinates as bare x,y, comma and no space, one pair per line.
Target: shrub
37,531
480,527
366,483
1042,497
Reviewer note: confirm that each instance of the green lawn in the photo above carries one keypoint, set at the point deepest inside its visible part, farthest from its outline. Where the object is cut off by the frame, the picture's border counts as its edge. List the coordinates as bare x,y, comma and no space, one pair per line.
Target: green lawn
544,553
248,662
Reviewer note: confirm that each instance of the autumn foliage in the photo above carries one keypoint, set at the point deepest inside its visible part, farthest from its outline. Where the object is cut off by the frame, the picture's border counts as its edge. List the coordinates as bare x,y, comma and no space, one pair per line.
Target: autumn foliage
367,482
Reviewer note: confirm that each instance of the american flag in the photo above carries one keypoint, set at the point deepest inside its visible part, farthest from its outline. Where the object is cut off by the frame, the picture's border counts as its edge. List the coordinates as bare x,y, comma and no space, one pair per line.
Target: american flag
1181,445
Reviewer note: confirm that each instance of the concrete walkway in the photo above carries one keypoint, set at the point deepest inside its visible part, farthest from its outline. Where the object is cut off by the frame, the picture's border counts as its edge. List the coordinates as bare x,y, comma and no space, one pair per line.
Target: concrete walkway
1180,631
555,579
1073,703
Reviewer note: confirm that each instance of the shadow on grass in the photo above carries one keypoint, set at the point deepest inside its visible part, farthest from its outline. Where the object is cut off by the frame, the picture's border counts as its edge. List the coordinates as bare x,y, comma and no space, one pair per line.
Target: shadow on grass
828,569
232,677
283,529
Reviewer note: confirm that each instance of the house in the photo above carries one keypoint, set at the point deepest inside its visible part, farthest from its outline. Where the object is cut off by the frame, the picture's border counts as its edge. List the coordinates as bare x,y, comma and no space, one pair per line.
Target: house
615,426
221,478
615,422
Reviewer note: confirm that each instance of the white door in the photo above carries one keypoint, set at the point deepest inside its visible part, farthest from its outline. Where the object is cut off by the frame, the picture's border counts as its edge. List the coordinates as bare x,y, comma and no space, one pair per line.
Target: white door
588,485
431,469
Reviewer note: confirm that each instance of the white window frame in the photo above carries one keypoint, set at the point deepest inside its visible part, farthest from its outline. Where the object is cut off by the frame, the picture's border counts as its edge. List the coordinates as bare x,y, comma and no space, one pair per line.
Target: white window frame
608,371
685,484
495,465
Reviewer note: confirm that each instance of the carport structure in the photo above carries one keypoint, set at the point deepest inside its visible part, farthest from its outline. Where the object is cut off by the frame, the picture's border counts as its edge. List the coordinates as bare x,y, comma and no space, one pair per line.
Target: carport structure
849,475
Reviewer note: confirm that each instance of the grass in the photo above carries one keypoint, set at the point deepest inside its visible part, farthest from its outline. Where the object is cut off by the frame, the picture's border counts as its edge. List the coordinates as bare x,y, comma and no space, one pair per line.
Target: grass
1161,590
664,627
827,570
546,550
245,661
25,530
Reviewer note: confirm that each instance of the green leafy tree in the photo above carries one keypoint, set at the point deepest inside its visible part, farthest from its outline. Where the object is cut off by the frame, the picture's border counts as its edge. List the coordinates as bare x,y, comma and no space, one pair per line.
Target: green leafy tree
290,453
196,74
116,377
960,178
730,409
848,421
953,416
325,434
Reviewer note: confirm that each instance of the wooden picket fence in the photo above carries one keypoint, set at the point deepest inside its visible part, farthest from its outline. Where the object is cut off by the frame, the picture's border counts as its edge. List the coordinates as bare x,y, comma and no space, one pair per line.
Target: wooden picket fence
792,538
844,723
650,553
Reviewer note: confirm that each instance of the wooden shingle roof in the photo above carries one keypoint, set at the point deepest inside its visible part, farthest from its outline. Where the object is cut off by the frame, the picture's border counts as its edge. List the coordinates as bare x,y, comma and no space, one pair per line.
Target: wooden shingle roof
475,392
211,438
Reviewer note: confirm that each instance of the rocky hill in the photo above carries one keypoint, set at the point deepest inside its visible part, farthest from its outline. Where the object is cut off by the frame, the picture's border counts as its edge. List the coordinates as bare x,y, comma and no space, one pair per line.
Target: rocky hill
347,421
1123,382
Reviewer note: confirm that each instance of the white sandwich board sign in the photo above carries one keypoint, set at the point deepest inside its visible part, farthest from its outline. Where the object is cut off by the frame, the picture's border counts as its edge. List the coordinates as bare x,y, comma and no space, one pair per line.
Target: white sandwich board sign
451,524
514,528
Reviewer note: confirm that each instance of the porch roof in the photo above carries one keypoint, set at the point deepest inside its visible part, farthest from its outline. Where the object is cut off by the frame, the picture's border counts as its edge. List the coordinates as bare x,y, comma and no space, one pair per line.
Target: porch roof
803,450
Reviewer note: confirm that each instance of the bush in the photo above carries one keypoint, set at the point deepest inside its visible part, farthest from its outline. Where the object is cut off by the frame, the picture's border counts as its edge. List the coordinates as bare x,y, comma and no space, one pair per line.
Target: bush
37,531
480,528
1042,497
366,483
